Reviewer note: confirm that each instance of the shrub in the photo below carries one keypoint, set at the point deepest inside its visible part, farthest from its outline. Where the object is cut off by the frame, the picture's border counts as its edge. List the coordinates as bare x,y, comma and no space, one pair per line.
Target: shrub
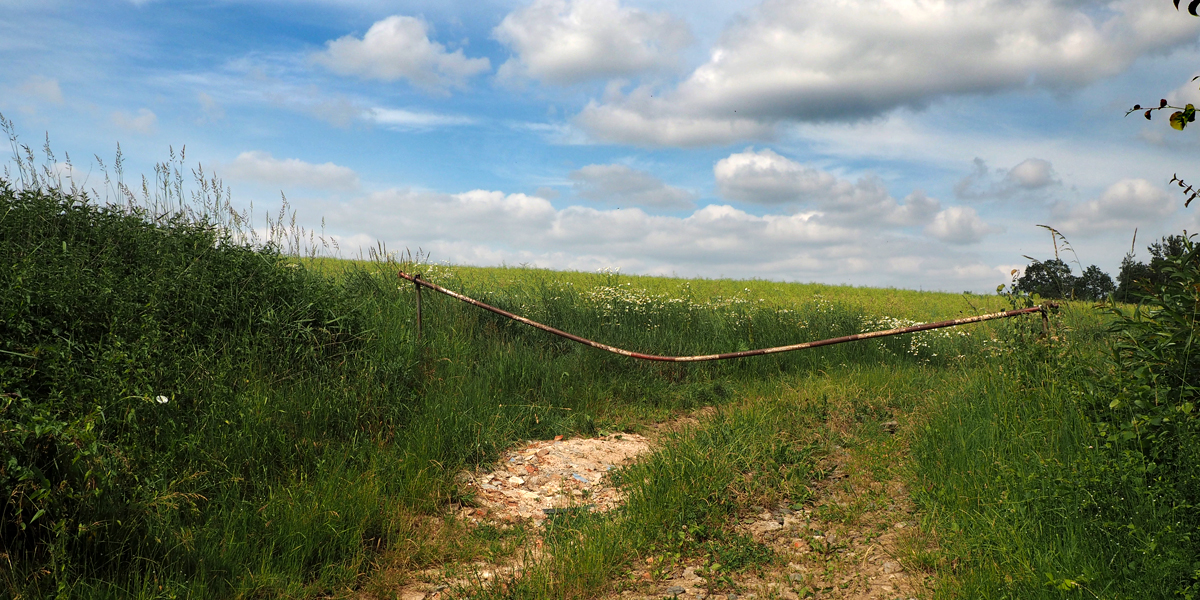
120,336
1146,414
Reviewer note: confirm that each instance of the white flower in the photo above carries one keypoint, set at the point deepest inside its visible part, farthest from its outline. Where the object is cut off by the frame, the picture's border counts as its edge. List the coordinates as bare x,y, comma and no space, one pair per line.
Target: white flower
161,399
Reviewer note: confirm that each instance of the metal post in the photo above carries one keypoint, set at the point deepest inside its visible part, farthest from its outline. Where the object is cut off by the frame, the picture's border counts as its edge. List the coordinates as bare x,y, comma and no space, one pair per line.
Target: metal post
417,284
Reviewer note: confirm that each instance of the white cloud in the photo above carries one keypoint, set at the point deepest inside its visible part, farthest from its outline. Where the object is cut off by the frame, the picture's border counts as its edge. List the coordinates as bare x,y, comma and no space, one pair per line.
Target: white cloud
407,119
813,60
619,184
650,122
767,178
547,193
488,227
399,47
42,88
145,122
1126,204
1030,175
959,225
764,177
570,41
261,167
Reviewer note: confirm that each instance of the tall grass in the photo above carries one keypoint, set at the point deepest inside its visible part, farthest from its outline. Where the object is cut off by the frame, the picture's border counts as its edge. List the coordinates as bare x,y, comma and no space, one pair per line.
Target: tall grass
1029,499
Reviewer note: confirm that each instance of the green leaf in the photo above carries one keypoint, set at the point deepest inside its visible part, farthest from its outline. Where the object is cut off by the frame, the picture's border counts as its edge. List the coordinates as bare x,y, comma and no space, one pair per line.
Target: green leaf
1179,120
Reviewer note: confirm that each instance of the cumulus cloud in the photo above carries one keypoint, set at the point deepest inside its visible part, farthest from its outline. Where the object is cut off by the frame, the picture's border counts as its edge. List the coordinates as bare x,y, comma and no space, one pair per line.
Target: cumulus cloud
570,41
643,120
1125,204
1029,175
767,178
812,60
399,47
547,193
959,225
144,122
619,184
489,227
261,167
42,88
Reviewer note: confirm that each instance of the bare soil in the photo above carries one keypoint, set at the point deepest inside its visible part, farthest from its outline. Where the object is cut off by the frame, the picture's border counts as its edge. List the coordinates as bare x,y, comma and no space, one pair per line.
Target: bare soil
857,539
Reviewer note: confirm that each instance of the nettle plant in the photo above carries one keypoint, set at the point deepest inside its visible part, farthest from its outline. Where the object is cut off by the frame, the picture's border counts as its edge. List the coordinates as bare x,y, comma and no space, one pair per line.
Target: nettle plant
1155,350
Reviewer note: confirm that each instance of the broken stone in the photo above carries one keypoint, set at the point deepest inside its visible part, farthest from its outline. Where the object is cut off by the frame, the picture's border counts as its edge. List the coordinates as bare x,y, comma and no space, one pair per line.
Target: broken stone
554,474
675,590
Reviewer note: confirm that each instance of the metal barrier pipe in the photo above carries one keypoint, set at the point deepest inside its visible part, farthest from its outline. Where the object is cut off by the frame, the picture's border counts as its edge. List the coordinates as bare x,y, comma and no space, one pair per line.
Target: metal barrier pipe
706,357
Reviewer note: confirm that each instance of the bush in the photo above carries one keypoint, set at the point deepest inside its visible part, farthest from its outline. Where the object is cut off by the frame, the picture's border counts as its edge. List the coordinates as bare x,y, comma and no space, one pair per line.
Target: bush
1146,414
120,338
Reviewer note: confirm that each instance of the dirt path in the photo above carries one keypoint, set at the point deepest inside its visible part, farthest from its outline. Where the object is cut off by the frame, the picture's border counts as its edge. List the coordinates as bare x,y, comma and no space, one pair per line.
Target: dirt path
857,539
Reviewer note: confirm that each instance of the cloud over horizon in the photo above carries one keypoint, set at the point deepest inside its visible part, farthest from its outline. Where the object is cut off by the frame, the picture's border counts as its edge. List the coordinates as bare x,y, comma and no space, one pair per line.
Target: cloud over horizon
493,227
1124,205
260,167
619,184
767,178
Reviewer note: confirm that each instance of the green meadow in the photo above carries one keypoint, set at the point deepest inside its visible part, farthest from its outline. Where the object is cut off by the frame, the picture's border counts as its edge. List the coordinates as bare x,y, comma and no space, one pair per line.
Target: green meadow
188,414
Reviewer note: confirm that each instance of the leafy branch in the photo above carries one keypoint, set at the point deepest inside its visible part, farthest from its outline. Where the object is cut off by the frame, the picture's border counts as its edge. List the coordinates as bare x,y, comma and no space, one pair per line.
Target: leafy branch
1188,190
1182,115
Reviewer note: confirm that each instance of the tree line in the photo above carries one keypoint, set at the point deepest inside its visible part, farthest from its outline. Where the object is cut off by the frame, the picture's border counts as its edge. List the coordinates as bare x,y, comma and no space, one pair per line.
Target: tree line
1054,279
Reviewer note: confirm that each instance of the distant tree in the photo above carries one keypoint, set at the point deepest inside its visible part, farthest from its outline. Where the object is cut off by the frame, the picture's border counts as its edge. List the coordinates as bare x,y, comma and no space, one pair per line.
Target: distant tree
1132,276
1136,276
1048,279
1160,251
1094,284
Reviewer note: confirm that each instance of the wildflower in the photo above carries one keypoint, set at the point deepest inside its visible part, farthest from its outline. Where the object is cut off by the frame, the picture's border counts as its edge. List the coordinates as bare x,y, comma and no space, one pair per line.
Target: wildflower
161,399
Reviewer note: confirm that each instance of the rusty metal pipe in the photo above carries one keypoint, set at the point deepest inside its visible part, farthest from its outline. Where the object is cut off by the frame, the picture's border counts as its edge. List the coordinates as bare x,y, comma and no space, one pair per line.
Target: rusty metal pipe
707,357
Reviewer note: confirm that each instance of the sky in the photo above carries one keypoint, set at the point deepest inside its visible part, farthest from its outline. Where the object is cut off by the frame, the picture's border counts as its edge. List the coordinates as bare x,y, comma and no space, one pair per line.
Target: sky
913,144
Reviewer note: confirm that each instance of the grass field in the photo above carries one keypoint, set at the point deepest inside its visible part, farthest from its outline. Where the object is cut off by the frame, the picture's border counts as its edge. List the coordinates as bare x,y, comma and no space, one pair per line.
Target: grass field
187,416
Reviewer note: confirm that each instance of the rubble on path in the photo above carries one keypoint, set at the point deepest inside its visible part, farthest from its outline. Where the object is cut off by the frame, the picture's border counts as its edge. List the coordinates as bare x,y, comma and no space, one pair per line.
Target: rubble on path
532,481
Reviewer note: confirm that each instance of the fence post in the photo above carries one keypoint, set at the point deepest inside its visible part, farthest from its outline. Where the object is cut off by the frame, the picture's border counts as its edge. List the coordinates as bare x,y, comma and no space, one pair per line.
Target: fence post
417,284
1045,323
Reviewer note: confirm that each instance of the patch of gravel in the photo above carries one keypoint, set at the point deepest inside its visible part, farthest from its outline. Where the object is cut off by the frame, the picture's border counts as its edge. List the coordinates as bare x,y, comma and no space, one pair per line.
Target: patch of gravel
551,475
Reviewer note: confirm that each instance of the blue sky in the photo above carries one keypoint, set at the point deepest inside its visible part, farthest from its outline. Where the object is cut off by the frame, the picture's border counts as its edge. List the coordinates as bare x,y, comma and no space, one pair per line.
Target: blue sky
906,143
